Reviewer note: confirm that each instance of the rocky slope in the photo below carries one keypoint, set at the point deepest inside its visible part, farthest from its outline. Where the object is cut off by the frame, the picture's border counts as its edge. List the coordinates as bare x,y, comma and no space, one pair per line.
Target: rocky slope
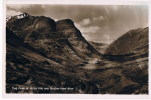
131,50
59,41
132,42
132,45
44,56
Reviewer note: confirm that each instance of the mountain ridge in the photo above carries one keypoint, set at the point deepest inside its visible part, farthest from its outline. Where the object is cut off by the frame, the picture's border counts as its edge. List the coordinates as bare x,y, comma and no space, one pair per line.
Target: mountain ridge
42,33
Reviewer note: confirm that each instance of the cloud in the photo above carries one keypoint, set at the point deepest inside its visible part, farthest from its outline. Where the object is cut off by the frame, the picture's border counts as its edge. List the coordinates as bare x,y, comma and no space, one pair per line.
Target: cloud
12,13
99,18
85,22
90,30
96,22
87,29
18,7
13,10
35,10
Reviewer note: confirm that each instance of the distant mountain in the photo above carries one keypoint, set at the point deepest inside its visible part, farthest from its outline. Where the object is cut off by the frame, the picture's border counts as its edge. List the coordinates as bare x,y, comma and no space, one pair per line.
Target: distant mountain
131,42
132,45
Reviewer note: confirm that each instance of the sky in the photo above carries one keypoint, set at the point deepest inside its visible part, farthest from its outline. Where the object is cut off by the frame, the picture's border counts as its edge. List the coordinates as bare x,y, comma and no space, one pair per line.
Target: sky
99,23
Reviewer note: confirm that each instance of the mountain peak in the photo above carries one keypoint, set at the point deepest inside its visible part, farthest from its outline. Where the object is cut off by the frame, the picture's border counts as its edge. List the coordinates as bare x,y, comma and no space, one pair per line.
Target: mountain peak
20,16
65,21
8,18
23,15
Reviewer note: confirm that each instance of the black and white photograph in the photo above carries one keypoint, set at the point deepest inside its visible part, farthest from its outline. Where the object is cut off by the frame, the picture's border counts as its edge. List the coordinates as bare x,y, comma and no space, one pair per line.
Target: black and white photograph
77,49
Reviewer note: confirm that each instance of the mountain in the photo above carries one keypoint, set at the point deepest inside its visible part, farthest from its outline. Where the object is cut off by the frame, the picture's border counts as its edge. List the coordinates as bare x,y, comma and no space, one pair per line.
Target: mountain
60,41
42,52
132,45
131,50
131,41
53,57
75,37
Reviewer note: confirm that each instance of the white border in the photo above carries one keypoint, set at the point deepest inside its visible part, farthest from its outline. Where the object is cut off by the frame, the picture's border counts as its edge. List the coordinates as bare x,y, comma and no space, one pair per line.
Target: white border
149,63
1,44
81,2
4,45
73,2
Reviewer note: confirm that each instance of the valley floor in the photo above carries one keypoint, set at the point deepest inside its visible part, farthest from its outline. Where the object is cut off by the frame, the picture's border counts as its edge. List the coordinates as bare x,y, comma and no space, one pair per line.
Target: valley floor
94,77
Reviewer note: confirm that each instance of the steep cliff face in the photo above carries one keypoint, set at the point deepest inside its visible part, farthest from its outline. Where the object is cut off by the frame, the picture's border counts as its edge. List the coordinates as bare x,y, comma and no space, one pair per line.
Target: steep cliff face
76,39
60,41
